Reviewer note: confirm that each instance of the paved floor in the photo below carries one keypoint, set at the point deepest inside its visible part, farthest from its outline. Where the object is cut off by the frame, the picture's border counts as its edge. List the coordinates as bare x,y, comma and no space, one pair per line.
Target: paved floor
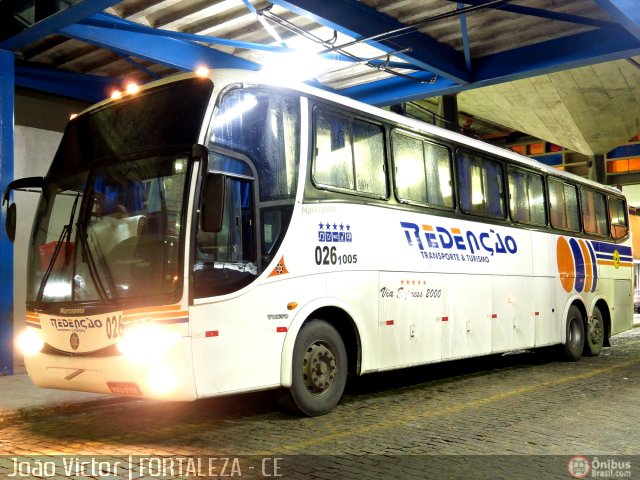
459,419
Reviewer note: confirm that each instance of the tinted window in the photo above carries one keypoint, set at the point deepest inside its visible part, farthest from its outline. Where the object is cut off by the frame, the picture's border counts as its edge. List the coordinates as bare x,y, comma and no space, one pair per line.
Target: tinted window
526,197
225,260
165,116
563,205
349,154
481,185
423,171
618,214
594,212
410,175
265,126
275,222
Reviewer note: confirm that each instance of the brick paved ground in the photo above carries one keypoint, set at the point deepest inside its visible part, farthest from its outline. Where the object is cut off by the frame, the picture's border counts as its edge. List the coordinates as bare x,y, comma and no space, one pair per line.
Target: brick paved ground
440,421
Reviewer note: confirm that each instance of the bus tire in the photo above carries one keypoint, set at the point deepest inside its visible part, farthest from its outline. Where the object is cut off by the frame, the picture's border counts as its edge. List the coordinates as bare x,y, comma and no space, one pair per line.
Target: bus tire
594,338
572,349
319,369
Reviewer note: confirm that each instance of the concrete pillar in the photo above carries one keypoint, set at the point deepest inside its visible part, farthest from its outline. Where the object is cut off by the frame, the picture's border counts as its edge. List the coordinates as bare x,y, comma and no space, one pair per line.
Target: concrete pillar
448,111
7,89
597,170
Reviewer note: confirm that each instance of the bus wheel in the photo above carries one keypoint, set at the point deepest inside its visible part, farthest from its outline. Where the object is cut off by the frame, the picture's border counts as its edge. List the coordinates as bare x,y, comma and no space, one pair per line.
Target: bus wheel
595,335
572,348
319,369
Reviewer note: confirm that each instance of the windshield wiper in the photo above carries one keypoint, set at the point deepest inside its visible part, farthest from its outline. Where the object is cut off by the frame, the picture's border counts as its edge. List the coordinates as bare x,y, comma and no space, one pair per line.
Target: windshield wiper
93,271
65,237
66,233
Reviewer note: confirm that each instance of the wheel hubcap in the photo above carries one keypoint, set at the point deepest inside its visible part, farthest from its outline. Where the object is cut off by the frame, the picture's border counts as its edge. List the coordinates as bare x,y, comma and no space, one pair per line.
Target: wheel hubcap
319,369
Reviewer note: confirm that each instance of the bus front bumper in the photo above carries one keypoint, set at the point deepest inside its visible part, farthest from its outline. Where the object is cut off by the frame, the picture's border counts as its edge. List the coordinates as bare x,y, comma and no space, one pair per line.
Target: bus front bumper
169,378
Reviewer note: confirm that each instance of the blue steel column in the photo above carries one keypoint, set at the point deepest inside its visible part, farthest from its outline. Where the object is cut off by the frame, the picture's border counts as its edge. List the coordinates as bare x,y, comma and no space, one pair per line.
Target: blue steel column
7,82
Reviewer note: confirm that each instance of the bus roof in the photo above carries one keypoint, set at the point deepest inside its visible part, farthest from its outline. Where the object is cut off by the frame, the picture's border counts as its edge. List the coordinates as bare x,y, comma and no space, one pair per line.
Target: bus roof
224,77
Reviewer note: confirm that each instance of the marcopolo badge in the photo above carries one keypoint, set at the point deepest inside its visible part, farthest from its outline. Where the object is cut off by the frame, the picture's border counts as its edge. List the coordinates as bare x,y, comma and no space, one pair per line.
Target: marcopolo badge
74,341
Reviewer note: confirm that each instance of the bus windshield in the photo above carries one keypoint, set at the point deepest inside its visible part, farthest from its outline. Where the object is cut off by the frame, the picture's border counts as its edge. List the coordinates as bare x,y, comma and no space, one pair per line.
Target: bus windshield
110,234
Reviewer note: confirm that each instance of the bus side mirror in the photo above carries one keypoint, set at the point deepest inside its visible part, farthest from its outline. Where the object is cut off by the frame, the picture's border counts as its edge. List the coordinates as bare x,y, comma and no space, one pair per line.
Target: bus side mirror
213,197
21,184
11,222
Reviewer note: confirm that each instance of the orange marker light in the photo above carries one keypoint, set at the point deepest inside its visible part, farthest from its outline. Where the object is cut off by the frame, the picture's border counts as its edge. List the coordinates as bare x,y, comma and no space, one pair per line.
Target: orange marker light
202,71
132,88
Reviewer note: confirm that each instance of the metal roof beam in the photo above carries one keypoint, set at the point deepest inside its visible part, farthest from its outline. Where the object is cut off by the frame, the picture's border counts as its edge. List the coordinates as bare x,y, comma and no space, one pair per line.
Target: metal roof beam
465,38
625,12
565,53
139,66
394,90
7,101
579,50
174,53
357,20
109,21
56,22
548,14
90,88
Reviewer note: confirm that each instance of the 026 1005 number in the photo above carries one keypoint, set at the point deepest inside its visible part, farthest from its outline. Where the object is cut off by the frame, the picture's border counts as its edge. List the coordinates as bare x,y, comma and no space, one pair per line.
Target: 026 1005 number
115,328
329,256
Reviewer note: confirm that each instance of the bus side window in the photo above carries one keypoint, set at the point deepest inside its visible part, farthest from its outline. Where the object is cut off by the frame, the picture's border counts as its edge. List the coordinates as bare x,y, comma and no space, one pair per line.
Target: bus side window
225,260
349,154
423,171
275,222
480,181
617,213
368,158
438,167
410,177
333,164
563,204
526,197
594,212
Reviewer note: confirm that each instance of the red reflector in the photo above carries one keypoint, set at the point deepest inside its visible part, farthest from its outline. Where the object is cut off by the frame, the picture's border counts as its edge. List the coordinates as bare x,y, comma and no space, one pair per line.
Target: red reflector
281,330
445,319
494,315
389,322
211,333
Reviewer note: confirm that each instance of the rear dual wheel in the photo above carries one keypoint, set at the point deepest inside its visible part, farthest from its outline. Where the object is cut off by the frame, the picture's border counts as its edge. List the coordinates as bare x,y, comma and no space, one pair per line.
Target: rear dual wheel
572,349
583,338
594,339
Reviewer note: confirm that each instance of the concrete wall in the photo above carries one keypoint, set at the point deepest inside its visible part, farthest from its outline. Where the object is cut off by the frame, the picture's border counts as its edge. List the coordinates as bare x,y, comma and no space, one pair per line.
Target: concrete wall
44,111
39,120
633,194
34,150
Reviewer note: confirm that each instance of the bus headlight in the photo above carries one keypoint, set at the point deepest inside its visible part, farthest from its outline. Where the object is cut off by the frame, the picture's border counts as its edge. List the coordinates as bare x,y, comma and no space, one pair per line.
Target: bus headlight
29,342
147,343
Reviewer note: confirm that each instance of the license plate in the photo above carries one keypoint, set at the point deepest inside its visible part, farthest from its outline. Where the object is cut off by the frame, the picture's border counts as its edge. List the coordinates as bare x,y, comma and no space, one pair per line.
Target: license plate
124,388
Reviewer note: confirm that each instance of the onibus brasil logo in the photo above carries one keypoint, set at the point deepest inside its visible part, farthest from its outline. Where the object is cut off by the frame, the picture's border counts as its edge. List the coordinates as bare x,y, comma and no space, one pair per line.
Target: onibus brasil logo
583,467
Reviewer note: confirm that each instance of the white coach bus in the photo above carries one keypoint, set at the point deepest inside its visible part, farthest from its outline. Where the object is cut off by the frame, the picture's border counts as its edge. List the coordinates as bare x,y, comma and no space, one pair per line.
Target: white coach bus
215,234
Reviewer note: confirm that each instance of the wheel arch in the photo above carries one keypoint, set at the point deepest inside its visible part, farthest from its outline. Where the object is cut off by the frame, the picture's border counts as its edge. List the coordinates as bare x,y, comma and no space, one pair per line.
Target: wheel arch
336,314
